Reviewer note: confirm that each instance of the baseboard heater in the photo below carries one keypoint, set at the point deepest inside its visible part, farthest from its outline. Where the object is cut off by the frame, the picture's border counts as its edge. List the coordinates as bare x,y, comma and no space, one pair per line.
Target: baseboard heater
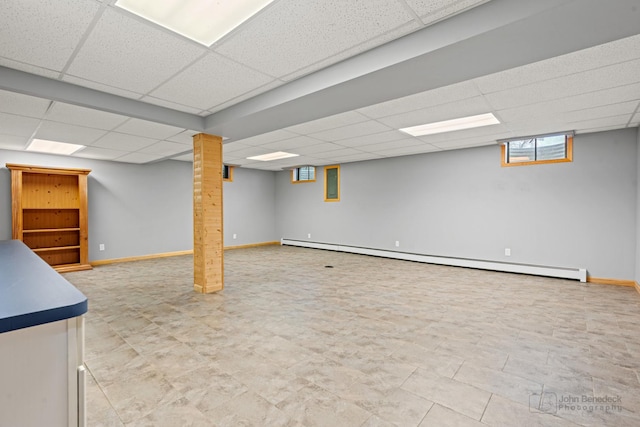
536,270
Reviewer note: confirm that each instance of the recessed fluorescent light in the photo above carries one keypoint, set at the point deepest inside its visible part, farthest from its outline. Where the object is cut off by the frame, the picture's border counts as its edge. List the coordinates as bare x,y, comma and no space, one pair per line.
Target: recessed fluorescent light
204,21
451,125
53,147
273,156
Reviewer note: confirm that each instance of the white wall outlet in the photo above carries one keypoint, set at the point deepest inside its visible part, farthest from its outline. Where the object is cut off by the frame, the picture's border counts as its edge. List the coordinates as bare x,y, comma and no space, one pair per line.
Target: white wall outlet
309,236
397,243
235,236
102,246
507,251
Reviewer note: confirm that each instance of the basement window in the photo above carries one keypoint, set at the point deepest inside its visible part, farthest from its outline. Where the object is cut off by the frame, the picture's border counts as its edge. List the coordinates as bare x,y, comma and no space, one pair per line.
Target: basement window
332,183
556,148
227,173
303,174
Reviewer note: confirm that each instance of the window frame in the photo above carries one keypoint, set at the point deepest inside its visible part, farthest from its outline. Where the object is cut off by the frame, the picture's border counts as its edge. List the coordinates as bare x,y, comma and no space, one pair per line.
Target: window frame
299,181
567,158
337,167
229,177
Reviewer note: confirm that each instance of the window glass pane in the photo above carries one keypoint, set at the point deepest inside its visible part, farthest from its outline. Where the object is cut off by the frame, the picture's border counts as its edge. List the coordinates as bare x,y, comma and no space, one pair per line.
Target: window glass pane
296,174
225,172
551,147
521,151
332,183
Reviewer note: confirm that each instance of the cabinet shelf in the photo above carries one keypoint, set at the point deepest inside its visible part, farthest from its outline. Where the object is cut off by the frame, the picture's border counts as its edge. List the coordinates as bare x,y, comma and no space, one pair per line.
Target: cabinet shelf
58,248
50,230
49,212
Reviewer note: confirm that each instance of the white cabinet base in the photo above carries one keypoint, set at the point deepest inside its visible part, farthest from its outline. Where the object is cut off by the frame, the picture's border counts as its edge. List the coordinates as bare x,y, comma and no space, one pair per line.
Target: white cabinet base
40,383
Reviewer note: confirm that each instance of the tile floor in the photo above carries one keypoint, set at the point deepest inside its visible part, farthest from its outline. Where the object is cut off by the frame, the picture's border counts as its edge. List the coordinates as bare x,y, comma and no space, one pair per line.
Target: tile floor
369,342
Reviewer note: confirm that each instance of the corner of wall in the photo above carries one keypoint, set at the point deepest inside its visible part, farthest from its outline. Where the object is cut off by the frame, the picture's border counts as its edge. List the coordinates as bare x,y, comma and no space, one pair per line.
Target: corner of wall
638,210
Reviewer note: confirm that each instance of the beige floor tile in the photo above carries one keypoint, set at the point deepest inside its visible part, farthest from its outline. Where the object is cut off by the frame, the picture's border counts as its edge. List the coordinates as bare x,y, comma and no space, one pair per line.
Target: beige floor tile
439,416
369,342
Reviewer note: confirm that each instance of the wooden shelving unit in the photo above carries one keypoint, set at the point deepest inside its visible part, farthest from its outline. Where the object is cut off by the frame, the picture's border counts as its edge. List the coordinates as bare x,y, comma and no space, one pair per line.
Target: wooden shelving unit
49,214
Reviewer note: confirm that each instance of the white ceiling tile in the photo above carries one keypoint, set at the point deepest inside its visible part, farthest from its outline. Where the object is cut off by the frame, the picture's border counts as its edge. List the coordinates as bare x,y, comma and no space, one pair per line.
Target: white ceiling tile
165,148
23,105
350,131
311,150
598,129
356,158
101,87
435,10
407,142
622,74
44,33
138,158
326,123
295,41
81,116
267,138
600,112
171,105
618,121
211,81
469,142
232,147
184,158
451,110
376,138
39,71
71,134
185,137
255,92
13,142
124,142
99,153
148,129
291,143
246,162
120,49
578,102
398,32
405,151
11,124
430,98
336,153
576,62
250,152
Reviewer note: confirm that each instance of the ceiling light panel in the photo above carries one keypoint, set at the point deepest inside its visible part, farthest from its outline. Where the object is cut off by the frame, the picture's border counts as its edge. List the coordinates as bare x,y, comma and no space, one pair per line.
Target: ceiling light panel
204,21
272,156
470,122
53,147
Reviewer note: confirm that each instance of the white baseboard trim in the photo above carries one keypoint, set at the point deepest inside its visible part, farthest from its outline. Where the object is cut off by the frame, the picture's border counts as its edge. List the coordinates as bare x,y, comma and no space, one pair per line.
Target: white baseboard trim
535,270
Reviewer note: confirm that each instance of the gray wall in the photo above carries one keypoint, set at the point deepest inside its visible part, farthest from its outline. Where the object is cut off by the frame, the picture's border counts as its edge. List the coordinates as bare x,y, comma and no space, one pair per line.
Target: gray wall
462,203
249,207
148,209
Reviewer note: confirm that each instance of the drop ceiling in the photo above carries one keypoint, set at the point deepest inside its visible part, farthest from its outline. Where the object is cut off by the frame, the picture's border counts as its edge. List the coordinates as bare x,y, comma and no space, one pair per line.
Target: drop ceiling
330,80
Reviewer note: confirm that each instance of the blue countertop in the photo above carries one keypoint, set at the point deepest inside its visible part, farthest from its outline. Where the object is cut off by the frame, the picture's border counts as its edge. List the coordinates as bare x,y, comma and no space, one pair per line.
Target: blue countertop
31,292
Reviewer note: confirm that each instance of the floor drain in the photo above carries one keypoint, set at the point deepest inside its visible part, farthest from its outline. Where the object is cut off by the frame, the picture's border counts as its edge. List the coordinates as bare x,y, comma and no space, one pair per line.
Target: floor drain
328,266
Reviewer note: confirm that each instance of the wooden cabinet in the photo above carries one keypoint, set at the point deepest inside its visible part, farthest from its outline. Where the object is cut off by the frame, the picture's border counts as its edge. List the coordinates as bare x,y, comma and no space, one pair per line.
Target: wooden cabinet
49,214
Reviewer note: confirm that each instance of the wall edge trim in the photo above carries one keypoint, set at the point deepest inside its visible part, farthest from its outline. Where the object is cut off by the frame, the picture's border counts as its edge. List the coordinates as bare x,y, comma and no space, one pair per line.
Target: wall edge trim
606,281
171,254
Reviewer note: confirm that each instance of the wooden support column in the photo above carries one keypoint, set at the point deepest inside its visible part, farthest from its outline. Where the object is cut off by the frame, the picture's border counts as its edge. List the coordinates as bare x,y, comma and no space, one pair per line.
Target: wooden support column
208,263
